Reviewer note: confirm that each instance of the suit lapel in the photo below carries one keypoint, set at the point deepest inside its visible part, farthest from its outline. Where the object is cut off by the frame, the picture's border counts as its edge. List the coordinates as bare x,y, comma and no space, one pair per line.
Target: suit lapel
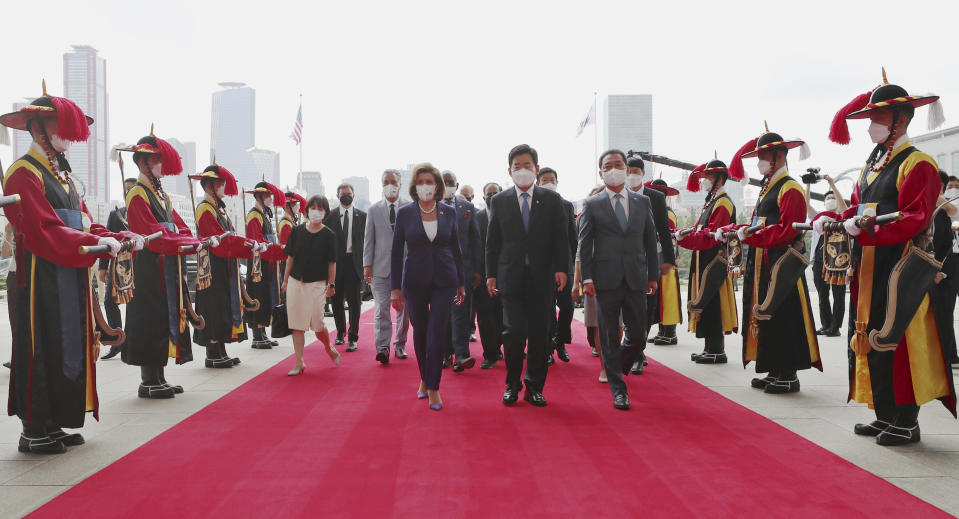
607,204
634,211
385,213
535,204
512,200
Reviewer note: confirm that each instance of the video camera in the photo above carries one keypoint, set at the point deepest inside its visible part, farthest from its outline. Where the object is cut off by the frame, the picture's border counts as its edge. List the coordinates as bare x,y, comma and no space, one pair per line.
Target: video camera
812,176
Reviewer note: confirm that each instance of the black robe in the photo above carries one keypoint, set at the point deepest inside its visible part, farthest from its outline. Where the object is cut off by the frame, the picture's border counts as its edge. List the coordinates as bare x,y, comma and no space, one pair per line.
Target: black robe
221,303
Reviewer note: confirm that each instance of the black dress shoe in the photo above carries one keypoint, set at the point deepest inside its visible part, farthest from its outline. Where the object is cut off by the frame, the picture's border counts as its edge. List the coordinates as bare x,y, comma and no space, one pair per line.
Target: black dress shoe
338,341
870,429
510,395
535,398
621,401
487,364
219,363
383,357
821,331
351,346
550,360
401,352
472,337
832,333
896,435
447,362
68,439
463,364
712,358
595,353
41,445
114,351
782,386
637,368
562,354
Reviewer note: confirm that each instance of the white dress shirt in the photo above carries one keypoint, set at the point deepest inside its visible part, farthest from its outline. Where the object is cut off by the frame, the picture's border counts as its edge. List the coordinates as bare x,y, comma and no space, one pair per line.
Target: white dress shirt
347,212
430,228
612,199
519,197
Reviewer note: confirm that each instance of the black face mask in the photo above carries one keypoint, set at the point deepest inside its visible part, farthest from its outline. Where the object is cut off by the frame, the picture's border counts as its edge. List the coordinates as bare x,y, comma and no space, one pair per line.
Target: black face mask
487,198
346,199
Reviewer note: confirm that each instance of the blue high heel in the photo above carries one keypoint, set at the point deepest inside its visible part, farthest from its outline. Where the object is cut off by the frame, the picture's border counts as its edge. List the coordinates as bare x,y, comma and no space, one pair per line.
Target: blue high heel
421,395
436,407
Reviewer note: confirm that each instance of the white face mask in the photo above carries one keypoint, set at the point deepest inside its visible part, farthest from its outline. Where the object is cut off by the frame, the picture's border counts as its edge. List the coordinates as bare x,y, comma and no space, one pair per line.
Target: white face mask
155,170
614,177
764,166
391,191
425,191
634,180
705,185
831,204
221,191
294,208
316,215
523,178
551,187
951,193
878,132
59,144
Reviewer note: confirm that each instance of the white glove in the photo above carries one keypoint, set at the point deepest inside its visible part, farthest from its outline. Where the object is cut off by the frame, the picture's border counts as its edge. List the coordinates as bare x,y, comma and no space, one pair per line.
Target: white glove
851,228
199,247
138,243
741,233
262,247
112,243
718,236
214,241
820,222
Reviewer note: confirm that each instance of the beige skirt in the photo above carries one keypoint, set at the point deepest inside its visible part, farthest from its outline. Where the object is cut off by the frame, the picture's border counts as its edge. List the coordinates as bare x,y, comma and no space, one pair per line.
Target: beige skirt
304,305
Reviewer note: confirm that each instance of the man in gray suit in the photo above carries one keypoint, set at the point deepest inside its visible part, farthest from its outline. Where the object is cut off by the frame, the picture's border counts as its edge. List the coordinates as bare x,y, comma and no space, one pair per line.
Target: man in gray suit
617,250
377,247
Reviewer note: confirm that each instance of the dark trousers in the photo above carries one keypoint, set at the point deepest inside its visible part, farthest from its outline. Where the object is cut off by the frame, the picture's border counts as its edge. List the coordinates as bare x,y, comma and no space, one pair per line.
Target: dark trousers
560,328
489,319
12,299
111,308
830,316
526,326
458,338
950,288
347,289
715,344
883,392
632,305
429,310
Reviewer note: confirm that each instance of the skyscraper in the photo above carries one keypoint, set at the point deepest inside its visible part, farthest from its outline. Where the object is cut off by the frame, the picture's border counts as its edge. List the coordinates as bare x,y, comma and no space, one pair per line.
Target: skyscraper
268,165
311,183
629,124
85,83
180,183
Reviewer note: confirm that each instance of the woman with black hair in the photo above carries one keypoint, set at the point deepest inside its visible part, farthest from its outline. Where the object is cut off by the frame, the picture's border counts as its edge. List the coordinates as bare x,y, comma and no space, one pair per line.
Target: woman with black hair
307,281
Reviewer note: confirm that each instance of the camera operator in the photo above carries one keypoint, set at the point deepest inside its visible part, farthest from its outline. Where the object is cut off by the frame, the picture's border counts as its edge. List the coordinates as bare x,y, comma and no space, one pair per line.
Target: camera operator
830,316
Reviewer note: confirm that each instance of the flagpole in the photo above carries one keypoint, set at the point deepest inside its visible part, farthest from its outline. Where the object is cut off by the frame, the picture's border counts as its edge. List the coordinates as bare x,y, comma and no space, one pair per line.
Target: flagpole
301,141
595,140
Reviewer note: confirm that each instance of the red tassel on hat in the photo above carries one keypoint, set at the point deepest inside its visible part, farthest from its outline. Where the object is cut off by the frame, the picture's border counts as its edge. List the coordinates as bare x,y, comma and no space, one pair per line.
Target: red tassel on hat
230,189
279,196
170,159
71,122
301,200
839,130
736,170
692,183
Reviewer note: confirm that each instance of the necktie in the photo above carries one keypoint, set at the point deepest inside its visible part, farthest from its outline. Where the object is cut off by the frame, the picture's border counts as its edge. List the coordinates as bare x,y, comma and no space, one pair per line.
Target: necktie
620,212
392,216
346,231
524,209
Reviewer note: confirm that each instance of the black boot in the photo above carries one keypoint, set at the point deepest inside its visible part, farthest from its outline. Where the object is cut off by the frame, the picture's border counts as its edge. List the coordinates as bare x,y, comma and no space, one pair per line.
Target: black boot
35,439
214,359
225,355
68,439
715,352
114,351
259,339
761,383
150,385
162,378
659,335
785,383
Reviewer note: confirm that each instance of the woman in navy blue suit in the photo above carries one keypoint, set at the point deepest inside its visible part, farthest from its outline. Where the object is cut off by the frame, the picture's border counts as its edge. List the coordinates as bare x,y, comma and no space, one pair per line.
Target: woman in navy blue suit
432,275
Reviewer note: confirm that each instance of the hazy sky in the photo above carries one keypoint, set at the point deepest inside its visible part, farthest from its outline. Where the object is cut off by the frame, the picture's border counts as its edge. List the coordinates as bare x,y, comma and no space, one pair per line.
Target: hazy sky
390,83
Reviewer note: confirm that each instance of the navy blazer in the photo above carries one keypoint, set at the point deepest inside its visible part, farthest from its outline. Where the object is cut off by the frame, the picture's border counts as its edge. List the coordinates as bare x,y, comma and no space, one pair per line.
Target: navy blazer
436,263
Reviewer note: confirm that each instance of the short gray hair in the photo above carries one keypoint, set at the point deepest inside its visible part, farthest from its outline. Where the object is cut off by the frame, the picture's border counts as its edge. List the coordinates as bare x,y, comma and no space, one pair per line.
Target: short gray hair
399,176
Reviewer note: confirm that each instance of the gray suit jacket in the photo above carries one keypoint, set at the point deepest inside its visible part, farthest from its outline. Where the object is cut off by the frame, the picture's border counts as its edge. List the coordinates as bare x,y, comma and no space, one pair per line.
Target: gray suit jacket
378,242
610,256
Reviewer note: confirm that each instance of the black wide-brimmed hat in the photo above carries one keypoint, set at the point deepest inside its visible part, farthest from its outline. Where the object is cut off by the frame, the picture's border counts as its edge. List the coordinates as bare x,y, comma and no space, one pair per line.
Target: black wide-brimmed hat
661,186
72,124
767,141
266,188
217,172
153,145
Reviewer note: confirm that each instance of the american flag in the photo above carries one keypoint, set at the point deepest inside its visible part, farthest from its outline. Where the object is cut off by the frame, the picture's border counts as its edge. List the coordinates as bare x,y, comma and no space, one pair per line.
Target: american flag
298,127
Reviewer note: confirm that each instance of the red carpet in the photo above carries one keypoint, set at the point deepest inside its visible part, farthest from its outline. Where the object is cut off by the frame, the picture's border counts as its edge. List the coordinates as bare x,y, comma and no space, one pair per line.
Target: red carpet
353,441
